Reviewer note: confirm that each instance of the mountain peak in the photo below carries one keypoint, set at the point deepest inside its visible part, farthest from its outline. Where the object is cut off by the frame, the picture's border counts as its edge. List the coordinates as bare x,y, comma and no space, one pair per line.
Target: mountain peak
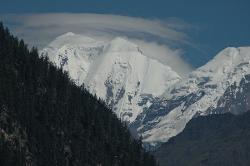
228,58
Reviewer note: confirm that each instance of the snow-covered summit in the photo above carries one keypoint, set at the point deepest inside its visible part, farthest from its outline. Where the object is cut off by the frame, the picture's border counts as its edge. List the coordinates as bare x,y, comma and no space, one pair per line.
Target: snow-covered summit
116,71
228,58
227,62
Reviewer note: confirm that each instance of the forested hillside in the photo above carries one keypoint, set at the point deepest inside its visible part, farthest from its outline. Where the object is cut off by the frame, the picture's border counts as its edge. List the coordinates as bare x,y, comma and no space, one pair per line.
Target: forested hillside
45,119
214,140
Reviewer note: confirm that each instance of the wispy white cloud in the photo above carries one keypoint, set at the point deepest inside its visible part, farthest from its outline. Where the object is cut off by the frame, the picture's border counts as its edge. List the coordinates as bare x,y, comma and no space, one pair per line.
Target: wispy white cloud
156,37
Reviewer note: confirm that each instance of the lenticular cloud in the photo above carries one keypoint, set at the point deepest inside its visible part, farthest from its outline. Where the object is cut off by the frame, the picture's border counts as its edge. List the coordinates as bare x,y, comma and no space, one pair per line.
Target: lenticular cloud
155,37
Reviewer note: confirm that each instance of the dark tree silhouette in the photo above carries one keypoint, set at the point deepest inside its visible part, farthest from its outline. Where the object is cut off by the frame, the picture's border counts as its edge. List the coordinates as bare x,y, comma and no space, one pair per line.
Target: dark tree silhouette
45,119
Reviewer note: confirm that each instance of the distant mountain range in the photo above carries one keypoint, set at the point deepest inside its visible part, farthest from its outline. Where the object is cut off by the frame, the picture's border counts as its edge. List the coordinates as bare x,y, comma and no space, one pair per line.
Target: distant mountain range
152,98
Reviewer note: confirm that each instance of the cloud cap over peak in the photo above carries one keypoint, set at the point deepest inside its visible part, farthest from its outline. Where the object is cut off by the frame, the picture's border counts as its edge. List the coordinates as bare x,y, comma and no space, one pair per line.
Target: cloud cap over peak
163,37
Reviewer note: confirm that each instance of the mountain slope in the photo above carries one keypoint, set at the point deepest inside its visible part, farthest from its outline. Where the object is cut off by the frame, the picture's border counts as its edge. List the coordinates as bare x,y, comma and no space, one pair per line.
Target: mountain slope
198,95
45,119
213,140
116,71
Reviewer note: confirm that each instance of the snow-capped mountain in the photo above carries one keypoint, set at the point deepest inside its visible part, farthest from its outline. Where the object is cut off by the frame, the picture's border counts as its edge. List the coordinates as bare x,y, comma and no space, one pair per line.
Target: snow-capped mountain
210,89
150,96
116,71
